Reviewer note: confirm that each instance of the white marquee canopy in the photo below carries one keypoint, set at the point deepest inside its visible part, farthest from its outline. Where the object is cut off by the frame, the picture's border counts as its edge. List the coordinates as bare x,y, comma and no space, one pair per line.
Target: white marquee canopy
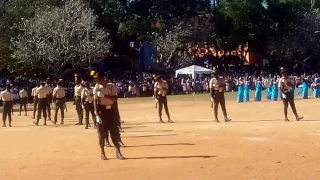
193,70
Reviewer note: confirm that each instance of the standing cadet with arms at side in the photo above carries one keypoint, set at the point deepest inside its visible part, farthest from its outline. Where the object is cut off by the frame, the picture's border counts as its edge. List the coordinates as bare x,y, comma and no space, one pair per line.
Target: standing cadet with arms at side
77,99
23,94
116,115
59,98
87,104
104,96
49,89
216,86
160,93
42,98
7,98
285,85
35,102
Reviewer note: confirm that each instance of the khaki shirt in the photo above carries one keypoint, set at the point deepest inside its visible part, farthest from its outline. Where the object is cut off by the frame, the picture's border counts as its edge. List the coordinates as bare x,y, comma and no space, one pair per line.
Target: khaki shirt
23,94
33,92
217,84
59,92
283,83
42,92
161,87
6,96
87,95
49,89
77,90
110,90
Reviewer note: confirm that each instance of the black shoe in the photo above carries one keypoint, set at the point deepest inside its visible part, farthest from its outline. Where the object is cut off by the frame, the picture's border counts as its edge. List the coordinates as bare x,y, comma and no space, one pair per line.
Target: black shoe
10,125
103,156
4,125
119,156
286,119
170,121
216,119
226,119
86,127
62,122
35,123
298,118
161,121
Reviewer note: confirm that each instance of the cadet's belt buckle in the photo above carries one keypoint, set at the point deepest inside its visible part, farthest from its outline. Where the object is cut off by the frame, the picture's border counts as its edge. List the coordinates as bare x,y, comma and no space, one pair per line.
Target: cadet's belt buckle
90,102
108,106
163,95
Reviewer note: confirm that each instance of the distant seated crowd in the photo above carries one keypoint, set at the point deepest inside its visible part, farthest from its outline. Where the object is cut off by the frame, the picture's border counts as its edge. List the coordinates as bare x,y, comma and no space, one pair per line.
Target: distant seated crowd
141,84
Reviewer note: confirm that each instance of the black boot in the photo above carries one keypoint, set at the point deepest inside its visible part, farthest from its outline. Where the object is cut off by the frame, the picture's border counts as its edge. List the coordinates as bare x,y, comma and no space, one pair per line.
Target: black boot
298,118
103,154
226,119
216,118
119,155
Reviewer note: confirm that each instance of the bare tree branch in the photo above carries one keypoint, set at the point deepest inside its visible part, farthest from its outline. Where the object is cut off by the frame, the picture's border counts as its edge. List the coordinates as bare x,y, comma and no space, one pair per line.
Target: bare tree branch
61,38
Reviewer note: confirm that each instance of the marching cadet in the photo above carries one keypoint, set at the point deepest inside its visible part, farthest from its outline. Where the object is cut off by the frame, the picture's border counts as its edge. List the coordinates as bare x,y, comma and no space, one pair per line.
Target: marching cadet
23,94
160,94
285,85
35,101
7,98
77,99
87,104
49,89
41,95
59,98
104,96
217,85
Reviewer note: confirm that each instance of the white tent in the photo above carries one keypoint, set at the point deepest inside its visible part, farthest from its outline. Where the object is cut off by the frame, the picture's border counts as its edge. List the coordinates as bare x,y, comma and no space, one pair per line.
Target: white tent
193,70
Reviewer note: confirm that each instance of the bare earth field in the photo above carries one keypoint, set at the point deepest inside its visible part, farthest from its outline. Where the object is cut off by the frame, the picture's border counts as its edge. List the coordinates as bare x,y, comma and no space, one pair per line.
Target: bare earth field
256,145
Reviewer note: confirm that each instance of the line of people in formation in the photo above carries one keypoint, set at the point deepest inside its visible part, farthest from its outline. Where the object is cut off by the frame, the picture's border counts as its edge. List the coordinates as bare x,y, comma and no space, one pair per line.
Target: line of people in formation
272,90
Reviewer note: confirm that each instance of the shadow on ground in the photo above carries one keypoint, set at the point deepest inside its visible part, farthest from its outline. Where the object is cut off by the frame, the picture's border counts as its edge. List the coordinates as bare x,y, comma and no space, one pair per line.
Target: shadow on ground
173,144
173,157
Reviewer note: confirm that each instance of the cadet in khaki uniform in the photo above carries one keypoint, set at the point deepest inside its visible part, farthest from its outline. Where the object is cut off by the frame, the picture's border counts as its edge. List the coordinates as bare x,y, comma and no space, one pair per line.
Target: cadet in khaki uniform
160,93
42,98
116,112
35,102
59,98
7,98
49,89
23,95
87,103
216,86
104,96
285,85
77,98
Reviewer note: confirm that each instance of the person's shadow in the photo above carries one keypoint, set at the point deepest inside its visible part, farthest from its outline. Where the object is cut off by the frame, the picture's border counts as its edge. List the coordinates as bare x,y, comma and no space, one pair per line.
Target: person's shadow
174,157
173,144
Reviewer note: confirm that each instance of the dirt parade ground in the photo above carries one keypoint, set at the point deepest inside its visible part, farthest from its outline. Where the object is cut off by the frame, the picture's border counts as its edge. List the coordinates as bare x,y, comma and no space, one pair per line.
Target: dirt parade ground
256,145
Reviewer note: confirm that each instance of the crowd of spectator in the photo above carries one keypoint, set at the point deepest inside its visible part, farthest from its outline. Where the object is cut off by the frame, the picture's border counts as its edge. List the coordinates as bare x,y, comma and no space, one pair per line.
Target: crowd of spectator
133,84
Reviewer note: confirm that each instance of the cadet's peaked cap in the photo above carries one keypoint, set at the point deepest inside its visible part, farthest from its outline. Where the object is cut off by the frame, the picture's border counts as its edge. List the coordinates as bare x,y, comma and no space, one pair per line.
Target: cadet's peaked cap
283,70
92,73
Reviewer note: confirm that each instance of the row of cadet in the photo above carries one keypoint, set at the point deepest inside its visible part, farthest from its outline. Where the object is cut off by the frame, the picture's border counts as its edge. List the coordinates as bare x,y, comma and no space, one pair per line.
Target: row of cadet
273,92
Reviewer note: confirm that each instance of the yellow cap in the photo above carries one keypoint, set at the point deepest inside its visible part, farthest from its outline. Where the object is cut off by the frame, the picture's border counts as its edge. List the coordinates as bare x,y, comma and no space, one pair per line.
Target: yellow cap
92,73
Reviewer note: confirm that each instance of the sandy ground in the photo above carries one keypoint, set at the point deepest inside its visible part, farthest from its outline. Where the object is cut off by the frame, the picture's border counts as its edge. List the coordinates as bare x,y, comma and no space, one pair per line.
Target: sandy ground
256,145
